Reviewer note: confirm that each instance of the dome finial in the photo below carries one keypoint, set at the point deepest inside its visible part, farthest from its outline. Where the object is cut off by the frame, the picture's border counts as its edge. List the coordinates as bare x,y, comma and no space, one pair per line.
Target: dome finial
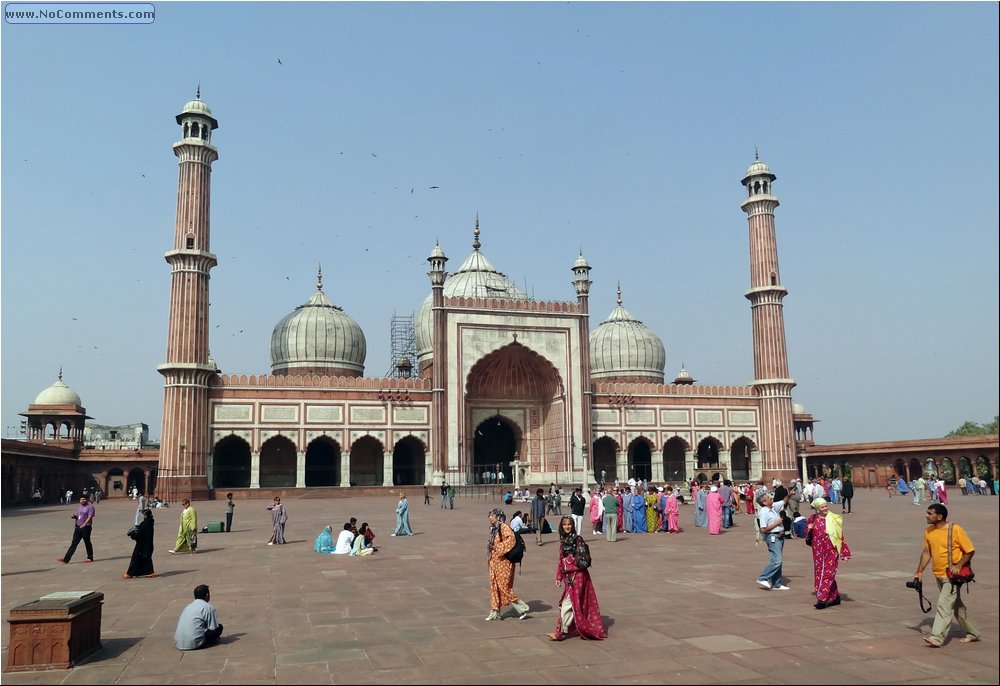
475,235
619,293
319,277
756,153
60,372
197,92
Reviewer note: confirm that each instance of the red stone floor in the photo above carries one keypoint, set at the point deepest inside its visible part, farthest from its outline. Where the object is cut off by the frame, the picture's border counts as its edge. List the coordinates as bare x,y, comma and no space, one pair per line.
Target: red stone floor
680,608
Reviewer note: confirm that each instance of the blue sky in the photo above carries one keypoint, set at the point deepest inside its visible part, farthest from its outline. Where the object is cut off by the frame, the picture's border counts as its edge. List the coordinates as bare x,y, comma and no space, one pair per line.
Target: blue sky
619,129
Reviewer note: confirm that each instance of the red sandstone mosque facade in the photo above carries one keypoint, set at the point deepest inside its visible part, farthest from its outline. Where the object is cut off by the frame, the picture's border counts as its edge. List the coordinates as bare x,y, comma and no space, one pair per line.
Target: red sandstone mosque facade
504,382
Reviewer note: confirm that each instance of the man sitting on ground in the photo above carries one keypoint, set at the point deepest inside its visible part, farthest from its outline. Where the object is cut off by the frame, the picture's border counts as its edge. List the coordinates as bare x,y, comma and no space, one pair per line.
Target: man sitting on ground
198,626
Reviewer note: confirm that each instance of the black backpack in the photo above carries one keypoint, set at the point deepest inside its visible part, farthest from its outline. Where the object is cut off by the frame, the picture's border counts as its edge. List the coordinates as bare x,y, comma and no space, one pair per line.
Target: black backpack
516,554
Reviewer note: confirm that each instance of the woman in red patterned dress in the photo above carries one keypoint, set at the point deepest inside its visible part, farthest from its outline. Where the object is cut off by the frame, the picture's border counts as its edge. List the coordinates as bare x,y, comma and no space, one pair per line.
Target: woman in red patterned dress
579,613
502,569
825,533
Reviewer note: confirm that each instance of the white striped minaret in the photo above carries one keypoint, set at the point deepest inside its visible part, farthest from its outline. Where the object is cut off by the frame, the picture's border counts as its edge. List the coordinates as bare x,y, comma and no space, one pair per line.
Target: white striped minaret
770,356
184,440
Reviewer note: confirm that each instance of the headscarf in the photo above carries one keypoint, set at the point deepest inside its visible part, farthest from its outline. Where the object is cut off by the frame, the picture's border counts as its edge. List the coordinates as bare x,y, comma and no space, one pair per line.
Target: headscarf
834,524
713,489
567,541
495,528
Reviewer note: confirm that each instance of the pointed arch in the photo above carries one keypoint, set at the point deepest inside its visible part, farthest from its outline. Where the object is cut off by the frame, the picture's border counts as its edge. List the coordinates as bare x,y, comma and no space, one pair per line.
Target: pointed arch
640,458
675,459
367,462
605,451
408,462
231,463
739,459
323,462
277,463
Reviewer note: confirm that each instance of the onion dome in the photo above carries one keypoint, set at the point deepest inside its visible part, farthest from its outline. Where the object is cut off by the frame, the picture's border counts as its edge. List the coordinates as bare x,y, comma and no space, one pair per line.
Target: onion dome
58,394
476,278
683,378
798,408
318,337
622,347
198,108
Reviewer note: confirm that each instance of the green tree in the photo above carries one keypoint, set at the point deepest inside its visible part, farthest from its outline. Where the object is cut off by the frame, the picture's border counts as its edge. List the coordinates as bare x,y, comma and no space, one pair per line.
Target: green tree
973,429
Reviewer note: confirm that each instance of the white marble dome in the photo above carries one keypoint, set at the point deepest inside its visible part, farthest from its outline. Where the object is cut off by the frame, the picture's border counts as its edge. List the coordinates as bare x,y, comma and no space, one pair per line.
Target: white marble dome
475,278
317,335
58,394
622,346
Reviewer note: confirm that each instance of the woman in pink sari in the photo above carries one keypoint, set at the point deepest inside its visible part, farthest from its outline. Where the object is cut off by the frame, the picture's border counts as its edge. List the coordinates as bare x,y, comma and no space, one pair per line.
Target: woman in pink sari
595,512
620,527
579,613
825,533
748,494
671,510
713,504
942,491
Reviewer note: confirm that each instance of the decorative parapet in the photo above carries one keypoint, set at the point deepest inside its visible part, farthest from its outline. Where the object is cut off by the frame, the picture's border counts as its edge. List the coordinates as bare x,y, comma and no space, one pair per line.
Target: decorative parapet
517,305
389,384
631,390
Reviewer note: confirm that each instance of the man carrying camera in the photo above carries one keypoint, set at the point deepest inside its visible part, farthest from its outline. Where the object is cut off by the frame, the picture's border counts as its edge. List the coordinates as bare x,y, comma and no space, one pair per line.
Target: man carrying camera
948,571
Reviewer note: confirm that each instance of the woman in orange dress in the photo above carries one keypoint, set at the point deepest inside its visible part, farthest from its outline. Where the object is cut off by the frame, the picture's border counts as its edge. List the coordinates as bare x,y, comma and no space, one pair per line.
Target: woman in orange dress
502,569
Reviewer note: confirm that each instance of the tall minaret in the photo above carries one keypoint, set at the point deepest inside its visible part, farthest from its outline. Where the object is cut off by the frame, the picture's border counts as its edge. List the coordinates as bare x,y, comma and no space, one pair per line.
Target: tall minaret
439,378
582,284
184,441
770,356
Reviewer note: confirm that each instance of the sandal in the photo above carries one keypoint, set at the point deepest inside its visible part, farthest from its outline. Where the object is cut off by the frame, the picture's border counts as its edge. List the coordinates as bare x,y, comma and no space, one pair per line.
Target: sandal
553,637
969,639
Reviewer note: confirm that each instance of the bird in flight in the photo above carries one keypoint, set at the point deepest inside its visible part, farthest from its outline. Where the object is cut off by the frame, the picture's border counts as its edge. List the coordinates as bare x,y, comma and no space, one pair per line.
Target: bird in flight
374,155
411,191
279,61
434,187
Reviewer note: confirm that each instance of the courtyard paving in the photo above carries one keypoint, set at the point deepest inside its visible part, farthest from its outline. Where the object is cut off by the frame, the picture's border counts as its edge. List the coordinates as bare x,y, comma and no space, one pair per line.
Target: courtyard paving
680,608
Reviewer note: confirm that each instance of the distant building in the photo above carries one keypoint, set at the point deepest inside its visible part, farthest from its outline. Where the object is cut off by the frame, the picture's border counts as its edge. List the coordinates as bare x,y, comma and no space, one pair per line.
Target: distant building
124,437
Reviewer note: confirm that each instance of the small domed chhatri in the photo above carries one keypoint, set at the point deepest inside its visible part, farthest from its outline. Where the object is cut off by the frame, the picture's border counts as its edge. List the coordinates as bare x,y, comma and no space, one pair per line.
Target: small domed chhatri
623,348
318,337
58,394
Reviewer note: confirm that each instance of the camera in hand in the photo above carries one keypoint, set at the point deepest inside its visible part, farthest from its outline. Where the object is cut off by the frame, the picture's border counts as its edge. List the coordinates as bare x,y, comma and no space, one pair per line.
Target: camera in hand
916,584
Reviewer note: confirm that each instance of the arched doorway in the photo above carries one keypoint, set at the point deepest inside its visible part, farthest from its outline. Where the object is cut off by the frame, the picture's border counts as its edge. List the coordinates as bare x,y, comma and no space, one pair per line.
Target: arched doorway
511,392
367,458
964,466
739,459
277,463
900,470
408,462
640,460
708,453
136,479
605,451
323,462
930,467
115,485
984,470
674,452
231,463
916,470
493,449
948,471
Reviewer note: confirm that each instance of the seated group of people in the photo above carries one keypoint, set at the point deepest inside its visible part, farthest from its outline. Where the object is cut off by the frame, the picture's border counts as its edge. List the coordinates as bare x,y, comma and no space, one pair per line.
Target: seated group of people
352,540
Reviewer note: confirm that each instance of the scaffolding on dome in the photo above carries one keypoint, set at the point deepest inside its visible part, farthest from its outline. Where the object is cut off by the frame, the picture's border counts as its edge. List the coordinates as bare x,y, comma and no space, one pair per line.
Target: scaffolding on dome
403,344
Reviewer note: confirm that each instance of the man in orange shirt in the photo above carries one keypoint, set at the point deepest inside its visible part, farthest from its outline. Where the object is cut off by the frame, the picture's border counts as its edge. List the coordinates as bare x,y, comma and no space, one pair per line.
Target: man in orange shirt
944,561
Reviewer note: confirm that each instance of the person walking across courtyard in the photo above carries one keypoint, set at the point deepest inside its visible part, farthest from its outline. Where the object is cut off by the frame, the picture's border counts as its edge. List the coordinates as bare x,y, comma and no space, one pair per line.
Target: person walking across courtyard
187,532
81,532
501,569
947,548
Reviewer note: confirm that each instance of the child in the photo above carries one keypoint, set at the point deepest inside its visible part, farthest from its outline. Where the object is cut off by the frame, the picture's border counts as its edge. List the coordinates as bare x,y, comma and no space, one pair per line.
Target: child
799,525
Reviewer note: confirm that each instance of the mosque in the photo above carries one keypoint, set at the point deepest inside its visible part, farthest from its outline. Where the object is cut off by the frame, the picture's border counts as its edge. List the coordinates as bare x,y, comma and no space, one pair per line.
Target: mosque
502,383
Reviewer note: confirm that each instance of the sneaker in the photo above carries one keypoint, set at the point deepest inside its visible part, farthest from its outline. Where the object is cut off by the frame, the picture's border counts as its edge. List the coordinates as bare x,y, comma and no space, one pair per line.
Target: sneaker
270,542
172,552
765,583
493,615
88,560
779,587
392,534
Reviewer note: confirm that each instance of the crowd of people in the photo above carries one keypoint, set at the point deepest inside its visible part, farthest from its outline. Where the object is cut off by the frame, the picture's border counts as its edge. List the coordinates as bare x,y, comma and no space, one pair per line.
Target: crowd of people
634,507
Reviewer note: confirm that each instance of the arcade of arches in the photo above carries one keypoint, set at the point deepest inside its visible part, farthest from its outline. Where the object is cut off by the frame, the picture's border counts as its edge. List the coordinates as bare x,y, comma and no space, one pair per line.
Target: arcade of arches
675,463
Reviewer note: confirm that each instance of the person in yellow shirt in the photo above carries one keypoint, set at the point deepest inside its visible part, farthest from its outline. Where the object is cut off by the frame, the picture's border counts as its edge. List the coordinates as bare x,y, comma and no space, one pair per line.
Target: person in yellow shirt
936,553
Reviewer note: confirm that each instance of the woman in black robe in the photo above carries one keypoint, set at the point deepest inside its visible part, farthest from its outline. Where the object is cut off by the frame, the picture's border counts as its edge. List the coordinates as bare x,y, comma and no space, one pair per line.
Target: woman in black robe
142,554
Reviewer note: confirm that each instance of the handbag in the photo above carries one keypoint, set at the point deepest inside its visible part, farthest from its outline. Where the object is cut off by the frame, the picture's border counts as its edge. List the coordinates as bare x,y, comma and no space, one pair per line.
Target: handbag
132,532
965,574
